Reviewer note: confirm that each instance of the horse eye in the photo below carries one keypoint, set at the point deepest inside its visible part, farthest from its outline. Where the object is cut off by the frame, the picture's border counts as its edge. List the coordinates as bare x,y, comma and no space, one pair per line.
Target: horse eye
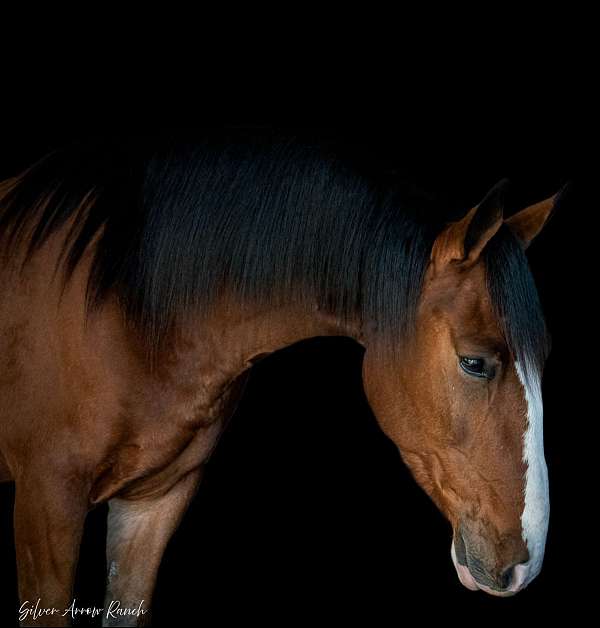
474,366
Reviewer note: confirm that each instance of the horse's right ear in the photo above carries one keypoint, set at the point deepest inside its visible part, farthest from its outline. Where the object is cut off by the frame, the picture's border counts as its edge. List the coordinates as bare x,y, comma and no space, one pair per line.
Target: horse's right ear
527,223
462,242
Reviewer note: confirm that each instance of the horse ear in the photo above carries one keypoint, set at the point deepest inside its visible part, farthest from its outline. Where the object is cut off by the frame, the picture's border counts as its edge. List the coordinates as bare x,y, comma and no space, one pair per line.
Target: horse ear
462,242
527,223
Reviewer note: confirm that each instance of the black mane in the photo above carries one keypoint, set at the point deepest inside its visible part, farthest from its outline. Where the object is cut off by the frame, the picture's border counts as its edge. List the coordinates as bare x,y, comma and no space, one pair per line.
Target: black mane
261,218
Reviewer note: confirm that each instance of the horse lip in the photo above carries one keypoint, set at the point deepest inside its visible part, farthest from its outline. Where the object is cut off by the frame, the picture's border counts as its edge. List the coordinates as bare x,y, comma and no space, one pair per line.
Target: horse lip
464,575
460,548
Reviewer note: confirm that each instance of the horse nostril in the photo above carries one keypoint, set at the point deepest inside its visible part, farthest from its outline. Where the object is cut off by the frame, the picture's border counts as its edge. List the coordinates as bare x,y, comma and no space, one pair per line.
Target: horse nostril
506,578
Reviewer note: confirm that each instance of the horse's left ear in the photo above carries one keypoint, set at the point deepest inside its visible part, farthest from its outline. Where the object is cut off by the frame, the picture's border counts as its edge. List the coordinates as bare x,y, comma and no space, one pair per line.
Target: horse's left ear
527,223
462,242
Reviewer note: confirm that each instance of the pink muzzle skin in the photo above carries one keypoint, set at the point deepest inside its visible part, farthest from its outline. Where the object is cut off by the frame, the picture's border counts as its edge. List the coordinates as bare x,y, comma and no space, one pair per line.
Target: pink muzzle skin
467,580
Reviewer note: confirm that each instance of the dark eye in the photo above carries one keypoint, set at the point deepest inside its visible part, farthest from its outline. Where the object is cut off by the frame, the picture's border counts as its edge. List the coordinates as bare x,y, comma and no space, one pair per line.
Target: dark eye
475,367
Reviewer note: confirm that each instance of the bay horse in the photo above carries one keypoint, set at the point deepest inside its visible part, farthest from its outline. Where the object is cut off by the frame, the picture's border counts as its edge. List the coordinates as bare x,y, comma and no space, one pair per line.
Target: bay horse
139,284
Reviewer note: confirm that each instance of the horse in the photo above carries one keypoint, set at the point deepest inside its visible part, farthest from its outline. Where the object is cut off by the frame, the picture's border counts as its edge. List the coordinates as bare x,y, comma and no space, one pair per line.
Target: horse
141,280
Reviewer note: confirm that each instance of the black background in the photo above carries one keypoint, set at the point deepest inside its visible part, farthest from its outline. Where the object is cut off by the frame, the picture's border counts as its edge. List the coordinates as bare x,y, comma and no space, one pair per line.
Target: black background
306,511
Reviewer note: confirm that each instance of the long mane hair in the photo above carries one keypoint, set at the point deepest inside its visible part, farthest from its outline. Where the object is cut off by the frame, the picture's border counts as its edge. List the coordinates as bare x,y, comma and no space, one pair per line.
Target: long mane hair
260,217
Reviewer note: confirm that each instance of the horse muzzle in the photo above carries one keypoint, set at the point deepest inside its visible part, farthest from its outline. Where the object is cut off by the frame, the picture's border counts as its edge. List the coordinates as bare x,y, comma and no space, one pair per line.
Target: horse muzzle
482,567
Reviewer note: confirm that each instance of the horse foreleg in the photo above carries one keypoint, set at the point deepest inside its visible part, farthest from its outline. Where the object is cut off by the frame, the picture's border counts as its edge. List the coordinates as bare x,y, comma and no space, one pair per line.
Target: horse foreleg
49,517
138,532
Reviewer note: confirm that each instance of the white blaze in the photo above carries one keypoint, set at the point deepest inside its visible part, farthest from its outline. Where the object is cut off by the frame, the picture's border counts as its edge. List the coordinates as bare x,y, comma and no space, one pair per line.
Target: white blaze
534,520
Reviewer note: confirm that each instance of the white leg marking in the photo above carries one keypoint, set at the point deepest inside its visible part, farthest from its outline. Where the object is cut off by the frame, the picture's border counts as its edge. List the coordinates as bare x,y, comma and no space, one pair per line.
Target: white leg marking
534,520
113,572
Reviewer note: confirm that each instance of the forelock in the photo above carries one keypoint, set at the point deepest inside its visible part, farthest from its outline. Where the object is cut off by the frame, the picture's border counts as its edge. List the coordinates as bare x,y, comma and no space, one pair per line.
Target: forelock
515,301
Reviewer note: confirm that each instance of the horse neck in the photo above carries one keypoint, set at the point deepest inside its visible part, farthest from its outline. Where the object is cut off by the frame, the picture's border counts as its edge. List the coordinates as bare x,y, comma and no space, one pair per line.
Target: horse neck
234,337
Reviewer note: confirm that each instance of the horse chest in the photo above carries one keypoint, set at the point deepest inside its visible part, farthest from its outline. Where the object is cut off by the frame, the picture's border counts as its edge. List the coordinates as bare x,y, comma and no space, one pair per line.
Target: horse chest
168,446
